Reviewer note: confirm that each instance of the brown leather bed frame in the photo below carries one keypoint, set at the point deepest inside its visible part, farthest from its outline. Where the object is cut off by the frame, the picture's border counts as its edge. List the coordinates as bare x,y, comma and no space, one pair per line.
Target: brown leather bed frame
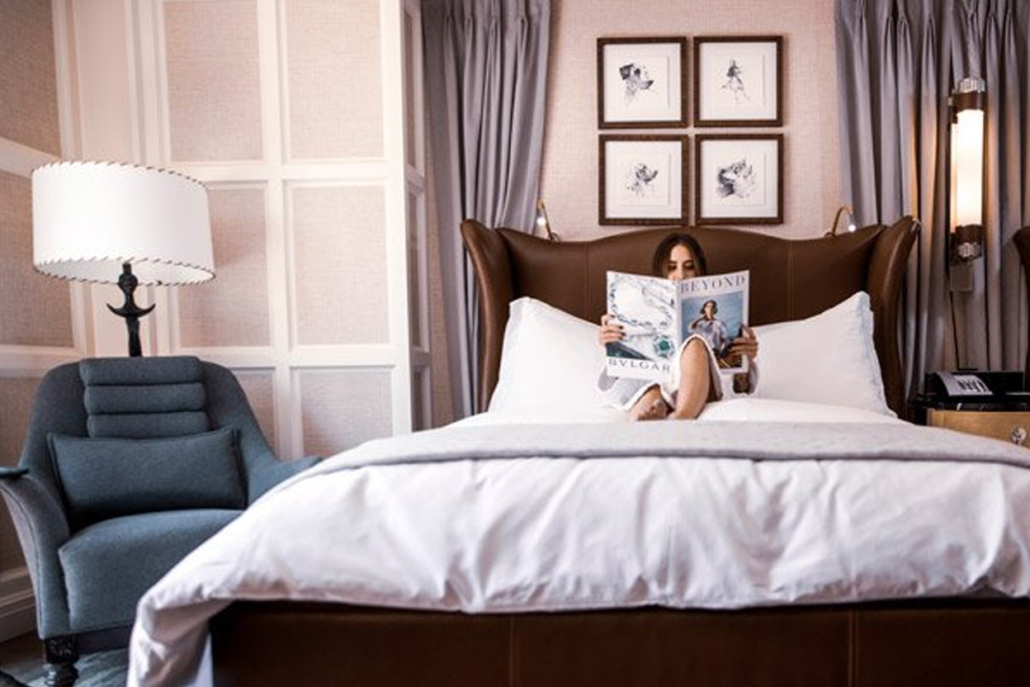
939,642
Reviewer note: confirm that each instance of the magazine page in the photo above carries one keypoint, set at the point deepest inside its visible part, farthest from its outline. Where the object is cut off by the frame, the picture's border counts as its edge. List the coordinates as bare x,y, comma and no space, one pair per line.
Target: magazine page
646,309
716,307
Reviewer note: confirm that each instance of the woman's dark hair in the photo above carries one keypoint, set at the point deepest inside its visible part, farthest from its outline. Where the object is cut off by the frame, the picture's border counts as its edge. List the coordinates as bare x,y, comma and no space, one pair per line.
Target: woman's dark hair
664,251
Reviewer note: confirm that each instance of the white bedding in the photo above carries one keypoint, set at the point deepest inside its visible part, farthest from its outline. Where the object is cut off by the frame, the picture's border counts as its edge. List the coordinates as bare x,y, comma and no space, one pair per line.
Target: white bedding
543,532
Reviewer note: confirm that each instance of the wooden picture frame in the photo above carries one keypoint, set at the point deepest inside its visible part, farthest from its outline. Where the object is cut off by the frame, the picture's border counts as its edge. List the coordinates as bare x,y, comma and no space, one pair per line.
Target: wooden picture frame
642,82
643,180
738,81
739,179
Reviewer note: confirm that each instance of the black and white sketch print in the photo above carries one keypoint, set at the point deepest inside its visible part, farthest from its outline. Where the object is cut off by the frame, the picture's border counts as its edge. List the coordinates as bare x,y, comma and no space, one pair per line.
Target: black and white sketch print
640,82
637,83
642,179
737,81
736,179
739,179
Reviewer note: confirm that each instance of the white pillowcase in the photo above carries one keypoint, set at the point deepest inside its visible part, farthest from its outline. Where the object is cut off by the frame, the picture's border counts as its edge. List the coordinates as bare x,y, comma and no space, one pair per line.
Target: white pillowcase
550,362
827,358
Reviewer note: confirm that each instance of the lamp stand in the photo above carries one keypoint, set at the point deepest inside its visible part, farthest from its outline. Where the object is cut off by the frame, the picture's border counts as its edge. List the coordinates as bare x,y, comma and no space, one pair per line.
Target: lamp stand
128,282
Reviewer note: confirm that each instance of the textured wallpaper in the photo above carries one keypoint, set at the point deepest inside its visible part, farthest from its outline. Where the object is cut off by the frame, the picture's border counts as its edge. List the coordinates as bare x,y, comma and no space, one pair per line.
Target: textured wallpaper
570,167
214,89
28,82
34,310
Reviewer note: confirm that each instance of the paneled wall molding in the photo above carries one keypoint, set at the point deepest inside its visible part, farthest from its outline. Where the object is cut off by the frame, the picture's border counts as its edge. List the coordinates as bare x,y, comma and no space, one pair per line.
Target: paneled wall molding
315,172
17,604
19,159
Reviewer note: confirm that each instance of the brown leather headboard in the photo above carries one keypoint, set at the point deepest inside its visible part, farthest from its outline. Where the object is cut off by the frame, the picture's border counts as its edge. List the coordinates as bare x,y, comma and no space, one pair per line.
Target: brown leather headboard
1022,240
789,279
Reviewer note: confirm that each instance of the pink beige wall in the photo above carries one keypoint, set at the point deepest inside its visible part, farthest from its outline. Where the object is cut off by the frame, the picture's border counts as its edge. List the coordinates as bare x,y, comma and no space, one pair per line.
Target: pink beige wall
34,312
812,180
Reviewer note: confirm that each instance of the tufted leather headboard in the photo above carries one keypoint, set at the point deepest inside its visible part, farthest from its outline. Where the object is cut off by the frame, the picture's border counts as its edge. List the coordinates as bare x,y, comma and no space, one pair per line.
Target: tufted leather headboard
789,279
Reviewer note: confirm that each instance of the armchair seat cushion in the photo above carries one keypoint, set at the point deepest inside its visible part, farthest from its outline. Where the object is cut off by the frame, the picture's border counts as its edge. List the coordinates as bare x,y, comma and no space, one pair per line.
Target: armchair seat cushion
104,478
108,566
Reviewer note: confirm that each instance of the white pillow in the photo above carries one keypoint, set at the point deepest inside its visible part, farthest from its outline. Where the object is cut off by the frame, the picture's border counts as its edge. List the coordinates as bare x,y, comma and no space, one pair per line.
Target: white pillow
550,362
827,358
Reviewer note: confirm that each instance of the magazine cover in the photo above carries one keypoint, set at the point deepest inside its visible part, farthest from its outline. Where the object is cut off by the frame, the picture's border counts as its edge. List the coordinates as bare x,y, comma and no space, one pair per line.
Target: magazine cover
658,314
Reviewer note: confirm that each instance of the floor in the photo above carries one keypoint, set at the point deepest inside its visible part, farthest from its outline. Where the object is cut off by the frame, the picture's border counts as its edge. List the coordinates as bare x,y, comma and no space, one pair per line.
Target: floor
22,659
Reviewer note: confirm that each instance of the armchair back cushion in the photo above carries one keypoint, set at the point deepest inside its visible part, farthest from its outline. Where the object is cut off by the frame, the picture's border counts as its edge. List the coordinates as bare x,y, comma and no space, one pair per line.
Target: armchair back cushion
137,398
108,478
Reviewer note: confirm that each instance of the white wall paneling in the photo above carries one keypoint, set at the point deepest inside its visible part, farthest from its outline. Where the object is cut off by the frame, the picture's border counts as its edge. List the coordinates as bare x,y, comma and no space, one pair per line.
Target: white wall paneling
317,104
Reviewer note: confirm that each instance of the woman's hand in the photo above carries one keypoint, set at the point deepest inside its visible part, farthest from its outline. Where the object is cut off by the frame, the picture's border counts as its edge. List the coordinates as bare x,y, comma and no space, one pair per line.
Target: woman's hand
746,344
610,331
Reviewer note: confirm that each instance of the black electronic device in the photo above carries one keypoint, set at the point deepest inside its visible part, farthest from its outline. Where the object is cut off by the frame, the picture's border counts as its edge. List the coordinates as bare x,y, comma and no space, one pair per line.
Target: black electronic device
972,390
973,384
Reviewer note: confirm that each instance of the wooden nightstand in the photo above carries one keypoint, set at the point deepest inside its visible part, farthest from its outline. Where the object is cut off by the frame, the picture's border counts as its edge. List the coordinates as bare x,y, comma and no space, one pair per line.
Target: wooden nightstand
1002,414
1008,425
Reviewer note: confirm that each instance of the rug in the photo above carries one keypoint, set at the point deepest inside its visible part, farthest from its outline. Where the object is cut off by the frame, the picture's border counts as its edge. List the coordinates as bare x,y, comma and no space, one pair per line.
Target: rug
102,669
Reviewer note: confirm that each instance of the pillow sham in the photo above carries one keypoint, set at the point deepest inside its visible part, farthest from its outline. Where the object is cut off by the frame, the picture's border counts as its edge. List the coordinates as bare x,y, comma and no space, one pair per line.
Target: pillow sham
550,362
107,478
827,358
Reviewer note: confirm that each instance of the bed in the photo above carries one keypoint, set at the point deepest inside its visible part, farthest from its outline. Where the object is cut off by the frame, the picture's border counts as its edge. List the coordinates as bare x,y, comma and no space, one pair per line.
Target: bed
817,543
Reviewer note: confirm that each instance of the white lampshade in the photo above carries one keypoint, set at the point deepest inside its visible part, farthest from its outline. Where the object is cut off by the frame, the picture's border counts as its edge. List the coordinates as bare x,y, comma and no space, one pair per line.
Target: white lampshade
967,161
89,218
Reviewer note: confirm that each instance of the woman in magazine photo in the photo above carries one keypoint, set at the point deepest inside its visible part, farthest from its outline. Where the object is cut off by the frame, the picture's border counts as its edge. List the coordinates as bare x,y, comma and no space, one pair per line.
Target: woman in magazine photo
696,380
714,330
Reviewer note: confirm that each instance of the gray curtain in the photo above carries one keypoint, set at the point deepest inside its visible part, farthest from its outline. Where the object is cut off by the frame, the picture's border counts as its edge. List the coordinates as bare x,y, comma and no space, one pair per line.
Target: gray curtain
897,63
485,73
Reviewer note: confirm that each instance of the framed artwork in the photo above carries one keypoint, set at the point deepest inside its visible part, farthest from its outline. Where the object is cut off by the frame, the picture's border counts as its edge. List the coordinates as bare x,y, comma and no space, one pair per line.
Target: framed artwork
643,180
641,83
738,81
739,179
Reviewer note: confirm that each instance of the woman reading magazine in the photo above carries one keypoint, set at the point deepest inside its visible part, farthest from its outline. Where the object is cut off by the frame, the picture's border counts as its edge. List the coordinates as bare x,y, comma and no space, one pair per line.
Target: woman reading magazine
696,379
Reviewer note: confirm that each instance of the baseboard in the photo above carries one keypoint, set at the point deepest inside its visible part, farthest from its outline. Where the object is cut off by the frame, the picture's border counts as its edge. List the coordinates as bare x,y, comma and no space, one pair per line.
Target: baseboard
17,604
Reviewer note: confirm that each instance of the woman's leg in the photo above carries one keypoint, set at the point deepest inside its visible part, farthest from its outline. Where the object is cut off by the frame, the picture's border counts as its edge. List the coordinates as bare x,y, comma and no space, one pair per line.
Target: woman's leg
650,406
695,381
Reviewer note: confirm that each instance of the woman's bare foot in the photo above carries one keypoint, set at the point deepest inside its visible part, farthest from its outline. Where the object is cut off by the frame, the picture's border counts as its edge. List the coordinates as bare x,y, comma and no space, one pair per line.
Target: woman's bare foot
650,406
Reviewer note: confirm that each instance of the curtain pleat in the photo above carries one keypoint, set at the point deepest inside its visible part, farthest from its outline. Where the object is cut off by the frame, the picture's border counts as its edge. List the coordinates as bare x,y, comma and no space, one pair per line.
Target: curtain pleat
898,61
485,80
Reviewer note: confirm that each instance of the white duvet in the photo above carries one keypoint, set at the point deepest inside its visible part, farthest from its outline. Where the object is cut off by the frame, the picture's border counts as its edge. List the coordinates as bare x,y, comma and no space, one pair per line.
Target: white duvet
640,523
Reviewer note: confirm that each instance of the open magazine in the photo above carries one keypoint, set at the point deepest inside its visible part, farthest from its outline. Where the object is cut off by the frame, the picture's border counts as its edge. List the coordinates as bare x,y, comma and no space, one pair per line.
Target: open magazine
657,315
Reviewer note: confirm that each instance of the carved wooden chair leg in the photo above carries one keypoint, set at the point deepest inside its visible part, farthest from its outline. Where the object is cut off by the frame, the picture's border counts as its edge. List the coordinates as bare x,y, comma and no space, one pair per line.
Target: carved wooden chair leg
61,655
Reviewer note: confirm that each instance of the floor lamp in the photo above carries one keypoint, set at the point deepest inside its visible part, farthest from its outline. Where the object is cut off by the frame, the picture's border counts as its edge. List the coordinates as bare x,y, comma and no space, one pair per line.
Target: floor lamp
121,224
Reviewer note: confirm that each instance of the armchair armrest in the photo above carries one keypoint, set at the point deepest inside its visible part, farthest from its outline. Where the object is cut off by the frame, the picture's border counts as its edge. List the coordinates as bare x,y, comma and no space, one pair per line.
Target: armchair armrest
264,474
42,528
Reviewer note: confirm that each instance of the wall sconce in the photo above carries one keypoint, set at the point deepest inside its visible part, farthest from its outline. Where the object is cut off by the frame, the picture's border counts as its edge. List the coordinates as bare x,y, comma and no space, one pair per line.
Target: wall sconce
836,220
543,225
967,169
121,224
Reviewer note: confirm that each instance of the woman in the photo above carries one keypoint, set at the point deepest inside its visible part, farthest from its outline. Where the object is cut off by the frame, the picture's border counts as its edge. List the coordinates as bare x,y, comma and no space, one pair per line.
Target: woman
696,379
713,329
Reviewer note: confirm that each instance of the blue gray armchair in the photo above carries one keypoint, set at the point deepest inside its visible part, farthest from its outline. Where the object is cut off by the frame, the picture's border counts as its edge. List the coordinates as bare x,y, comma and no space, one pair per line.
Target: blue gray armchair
128,465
